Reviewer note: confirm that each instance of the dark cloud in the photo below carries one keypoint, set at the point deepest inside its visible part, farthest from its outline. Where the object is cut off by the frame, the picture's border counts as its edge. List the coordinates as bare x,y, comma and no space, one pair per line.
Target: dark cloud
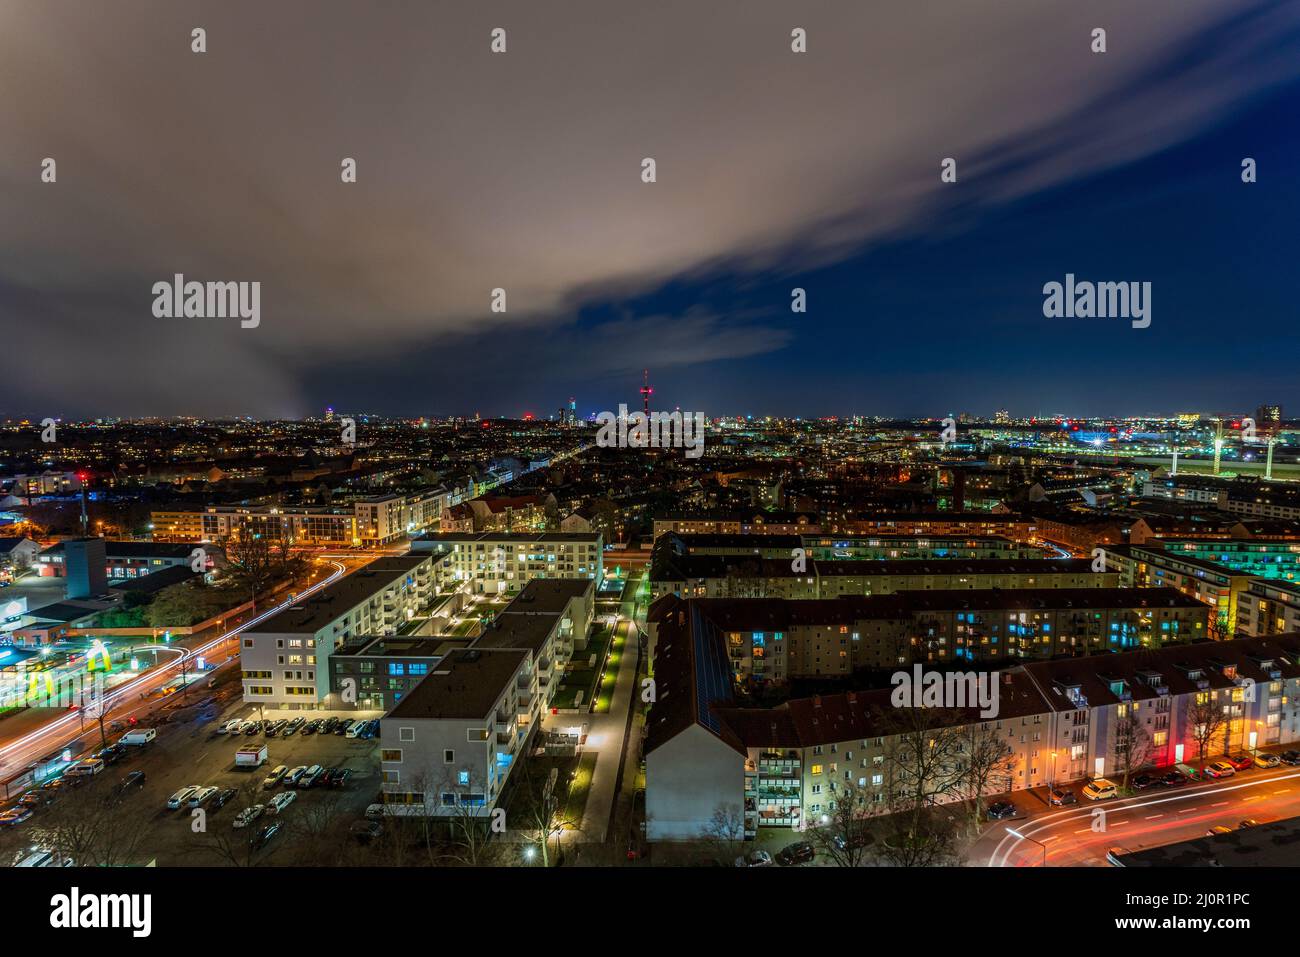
520,171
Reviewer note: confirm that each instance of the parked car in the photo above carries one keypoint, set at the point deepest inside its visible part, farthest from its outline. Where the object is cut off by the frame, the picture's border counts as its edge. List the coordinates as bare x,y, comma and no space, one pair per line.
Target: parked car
311,776
1220,769
339,779
230,727
1174,779
281,801
294,776
343,727
248,815
1100,790
1218,829
32,799
1001,810
1290,757
372,728
366,830
265,834
327,726
1267,760
1248,822
1241,762
250,727
1061,797
223,798
294,726
202,796
755,859
860,839
355,728
311,726
181,796
15,815
1143,782
793,854
272,779
112,754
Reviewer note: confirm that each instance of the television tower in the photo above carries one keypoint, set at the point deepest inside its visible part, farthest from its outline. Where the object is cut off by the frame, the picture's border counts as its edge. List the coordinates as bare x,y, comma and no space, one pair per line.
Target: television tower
646,392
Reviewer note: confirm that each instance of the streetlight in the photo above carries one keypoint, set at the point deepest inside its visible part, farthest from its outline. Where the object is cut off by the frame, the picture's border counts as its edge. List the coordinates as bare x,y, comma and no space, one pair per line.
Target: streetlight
1014,833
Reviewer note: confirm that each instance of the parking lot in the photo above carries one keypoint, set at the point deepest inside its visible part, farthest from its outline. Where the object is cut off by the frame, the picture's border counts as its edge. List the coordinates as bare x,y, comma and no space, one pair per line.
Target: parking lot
314,825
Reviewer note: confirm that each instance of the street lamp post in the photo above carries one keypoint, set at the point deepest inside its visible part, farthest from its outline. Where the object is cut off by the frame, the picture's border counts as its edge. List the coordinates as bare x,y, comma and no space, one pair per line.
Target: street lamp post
1014,833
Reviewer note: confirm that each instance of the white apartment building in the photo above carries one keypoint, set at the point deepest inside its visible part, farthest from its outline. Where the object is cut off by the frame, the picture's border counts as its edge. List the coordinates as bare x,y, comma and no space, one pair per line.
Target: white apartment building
285,659
502,563
449,745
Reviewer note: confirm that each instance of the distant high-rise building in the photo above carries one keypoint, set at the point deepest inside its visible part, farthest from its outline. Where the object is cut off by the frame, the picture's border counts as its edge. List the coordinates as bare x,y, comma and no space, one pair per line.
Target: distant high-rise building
1268,418
86,563
1002,417
573,411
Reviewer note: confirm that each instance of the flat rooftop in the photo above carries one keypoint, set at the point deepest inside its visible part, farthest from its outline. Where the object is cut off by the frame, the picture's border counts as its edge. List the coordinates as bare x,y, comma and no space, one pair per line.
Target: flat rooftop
466,684
549,595
432,539
319,609
528,632
397,647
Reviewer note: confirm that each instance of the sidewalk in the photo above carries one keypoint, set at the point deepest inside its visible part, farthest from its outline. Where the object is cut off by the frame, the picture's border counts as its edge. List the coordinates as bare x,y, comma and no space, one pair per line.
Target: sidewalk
607,736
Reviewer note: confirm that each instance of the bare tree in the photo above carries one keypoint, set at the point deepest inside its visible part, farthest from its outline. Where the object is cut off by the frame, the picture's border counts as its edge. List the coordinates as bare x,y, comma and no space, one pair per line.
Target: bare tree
1132,744
931,845
251,560
723,837
845,835
988,761
926,767
538,802
1206,719
469,830
95,826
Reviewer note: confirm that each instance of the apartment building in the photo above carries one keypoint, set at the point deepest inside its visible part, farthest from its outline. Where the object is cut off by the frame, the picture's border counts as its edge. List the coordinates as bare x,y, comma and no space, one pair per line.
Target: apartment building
775,640
707,750
549,620
375,674
1268,608
715,576
378,520
1216,585
286,658
737,523
502,563
448,747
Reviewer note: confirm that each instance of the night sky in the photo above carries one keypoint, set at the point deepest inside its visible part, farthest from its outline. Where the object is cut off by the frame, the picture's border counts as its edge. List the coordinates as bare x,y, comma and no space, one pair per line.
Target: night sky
522,170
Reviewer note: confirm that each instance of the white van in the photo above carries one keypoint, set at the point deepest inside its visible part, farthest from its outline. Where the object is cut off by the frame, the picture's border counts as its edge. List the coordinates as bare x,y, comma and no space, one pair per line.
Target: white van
85,768
354,729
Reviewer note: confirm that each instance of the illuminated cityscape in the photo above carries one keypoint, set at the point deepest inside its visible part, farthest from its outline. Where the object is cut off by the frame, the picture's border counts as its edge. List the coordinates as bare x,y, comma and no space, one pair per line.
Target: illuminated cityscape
630,441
